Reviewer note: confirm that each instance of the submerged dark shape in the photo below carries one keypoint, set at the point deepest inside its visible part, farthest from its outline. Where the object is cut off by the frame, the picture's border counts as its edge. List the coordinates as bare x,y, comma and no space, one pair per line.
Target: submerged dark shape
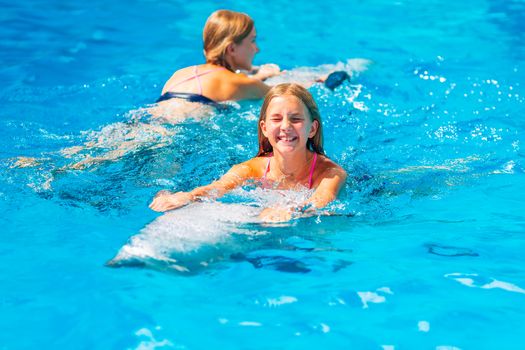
340,264
279,263
335,79
128,263
450,251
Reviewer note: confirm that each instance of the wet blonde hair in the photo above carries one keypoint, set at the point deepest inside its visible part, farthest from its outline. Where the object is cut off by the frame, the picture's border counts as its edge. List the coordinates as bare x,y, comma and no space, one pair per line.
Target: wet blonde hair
223,28
315,143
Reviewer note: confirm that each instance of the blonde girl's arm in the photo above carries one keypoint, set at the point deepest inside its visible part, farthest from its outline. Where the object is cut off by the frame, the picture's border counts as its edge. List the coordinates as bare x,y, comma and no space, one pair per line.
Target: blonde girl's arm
266,71
235,177
247,88
329,187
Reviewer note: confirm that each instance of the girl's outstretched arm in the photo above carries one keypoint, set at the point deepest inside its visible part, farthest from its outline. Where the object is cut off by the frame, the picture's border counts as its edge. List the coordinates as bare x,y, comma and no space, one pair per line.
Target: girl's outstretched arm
236,176
266,71
330,185
243,87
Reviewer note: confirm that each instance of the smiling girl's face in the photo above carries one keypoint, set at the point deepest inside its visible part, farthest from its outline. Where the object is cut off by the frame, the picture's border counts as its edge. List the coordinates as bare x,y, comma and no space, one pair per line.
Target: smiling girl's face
288,124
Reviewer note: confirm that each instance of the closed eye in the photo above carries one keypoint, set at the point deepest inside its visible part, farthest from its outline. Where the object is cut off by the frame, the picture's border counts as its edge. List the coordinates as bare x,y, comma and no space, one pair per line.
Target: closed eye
295,118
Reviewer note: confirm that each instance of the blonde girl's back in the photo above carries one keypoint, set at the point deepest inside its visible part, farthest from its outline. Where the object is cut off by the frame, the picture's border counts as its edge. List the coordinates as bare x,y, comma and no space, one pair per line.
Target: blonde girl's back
214,82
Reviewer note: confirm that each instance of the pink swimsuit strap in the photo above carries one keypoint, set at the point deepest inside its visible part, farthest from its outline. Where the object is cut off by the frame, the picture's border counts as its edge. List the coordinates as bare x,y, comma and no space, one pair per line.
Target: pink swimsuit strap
310,176
197,75
267,168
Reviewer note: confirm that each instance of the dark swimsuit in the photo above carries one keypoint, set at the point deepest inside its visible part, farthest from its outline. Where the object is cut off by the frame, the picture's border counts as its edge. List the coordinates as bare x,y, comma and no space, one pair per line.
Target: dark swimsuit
188,96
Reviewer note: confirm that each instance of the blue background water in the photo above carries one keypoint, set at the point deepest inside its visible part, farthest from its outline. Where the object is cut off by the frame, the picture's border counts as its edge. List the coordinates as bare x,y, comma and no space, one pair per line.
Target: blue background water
436,180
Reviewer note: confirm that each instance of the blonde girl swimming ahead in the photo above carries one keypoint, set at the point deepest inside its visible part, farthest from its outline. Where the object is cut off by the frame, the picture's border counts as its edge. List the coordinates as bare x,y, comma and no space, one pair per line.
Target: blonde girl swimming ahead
229,46
290,156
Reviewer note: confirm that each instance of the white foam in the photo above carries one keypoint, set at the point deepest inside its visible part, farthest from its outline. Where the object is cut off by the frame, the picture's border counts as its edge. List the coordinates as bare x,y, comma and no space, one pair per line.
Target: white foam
150,343
373,297
307,75
283,299
325,328
503,285
385,290
370,297
144,331
508,168
250,324
423,326
469,280
359,105
341,301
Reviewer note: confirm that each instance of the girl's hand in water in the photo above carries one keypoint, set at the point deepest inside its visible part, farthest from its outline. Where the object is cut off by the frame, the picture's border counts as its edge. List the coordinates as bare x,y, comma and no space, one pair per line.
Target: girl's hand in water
267,71
276,215
286,214
165,200
321,79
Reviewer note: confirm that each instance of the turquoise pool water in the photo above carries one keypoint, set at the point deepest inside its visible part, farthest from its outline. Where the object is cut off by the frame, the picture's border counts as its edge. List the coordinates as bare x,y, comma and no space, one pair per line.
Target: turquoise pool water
426,251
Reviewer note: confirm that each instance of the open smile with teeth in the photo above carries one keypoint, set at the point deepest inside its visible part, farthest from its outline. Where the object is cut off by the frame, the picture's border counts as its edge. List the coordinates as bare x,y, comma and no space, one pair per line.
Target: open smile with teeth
287,138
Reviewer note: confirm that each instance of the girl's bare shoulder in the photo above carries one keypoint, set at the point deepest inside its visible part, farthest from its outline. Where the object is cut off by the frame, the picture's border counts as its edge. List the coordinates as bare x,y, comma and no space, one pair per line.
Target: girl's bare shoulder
177,77
256,166
326,167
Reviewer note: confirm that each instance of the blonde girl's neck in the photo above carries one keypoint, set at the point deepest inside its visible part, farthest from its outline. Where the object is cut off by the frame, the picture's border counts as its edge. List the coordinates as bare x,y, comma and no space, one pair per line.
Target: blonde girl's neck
296,166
